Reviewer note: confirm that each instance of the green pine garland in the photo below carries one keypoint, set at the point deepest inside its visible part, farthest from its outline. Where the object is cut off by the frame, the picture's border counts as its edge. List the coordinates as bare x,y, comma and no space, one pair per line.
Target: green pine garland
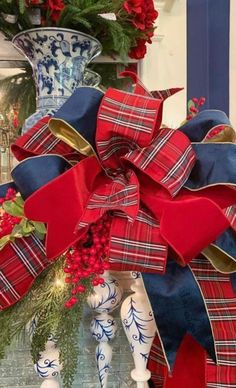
18,90
45,303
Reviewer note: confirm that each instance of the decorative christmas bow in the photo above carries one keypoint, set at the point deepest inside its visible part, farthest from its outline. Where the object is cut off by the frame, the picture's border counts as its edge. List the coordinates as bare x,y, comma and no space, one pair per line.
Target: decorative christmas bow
164,193
142,174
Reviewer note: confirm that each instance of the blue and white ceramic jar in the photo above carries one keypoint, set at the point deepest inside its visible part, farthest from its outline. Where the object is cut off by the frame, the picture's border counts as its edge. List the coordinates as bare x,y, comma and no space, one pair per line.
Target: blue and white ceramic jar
59,58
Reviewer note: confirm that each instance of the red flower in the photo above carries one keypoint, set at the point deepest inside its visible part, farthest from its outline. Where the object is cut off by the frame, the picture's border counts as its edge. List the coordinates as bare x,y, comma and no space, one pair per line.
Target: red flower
139,51
55,8
133,6
142,14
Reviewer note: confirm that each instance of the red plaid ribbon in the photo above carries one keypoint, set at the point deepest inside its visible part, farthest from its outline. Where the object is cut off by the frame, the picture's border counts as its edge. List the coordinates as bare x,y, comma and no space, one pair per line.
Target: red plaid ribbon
20,264
39,140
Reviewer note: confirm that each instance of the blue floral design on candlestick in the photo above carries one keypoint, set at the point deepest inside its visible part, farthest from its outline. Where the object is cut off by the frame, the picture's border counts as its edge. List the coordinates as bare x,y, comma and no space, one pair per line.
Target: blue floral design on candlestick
137,323
103,368
136,275
44,370
103,328
145,356
107,300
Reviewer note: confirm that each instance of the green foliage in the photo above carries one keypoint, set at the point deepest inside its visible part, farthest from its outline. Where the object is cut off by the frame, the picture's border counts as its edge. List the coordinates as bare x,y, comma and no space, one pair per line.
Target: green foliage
18,90
45,303
16,209
83,15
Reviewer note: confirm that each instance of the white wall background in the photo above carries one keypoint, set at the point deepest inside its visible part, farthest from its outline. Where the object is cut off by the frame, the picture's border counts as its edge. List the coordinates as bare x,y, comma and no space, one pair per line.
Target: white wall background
165,65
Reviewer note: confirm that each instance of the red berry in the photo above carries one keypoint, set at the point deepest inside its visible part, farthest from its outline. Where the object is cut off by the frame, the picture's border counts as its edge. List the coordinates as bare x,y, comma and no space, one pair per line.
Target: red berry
106,265
195,100
193,109
81,288
68,305
95,282
202,101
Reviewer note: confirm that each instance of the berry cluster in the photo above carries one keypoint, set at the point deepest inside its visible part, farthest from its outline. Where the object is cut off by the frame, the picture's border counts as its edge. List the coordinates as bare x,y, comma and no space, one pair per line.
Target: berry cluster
7,222
88,259
194,108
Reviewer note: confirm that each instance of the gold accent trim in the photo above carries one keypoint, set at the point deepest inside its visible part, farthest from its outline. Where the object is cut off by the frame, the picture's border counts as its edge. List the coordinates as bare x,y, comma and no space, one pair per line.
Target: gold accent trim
65,132
220,260
228,134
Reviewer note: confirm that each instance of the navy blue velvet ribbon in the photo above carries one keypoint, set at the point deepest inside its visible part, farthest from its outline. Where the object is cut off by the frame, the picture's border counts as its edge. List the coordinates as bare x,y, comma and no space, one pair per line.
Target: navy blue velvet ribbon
33,173
178,309
198,127
80,112
215,163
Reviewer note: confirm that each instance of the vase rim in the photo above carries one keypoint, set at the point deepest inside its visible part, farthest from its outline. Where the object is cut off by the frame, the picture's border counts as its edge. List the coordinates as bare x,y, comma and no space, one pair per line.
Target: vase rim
56,29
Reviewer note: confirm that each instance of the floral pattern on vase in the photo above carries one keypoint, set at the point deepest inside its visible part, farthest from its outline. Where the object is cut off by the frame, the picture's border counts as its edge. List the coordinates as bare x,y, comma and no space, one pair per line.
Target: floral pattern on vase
59,58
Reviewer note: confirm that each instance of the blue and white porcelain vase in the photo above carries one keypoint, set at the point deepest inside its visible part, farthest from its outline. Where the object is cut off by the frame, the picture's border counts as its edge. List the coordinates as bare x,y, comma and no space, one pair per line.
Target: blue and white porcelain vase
58,57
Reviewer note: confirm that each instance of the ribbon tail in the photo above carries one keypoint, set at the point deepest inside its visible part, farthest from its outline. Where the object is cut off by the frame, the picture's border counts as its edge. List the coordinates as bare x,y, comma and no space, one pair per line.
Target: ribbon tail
190,367
178,309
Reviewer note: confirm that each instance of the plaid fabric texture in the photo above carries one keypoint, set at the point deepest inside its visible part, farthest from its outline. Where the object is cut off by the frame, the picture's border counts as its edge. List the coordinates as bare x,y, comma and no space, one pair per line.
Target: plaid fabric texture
129,131
125,115
137,246
157,364
121,192
164,94
230,213
168,160
220,301
20,264
39,141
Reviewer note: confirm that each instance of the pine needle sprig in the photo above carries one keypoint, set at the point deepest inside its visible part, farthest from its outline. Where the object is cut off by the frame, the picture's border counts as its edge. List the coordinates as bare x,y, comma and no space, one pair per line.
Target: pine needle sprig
45,304
18,90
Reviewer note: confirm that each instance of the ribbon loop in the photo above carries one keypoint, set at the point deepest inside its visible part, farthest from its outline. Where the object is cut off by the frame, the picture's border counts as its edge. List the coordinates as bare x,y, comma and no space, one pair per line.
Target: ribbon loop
168,160
125,121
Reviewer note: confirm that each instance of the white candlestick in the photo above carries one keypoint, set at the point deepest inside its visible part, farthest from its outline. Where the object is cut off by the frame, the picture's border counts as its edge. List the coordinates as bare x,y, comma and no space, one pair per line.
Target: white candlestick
140,329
